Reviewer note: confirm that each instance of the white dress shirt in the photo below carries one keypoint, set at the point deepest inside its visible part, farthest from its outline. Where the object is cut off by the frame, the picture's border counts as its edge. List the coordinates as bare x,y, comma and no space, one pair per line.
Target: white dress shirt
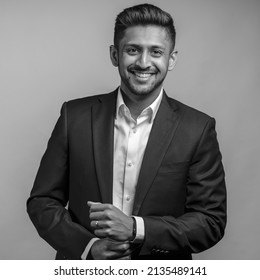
130,140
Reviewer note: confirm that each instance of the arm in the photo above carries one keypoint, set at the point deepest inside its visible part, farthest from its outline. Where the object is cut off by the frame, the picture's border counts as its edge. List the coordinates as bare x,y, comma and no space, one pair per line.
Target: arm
50,194
204,220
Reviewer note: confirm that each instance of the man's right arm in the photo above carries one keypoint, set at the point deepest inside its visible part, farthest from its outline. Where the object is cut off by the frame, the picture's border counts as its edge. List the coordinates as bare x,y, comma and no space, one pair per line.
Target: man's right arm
46,205
50,194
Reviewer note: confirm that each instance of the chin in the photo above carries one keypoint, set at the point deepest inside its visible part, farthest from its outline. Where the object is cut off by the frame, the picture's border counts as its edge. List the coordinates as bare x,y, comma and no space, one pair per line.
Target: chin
143,91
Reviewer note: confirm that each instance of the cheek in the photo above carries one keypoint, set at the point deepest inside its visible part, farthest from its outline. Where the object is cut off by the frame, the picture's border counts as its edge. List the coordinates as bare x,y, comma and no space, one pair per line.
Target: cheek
126,61
162,65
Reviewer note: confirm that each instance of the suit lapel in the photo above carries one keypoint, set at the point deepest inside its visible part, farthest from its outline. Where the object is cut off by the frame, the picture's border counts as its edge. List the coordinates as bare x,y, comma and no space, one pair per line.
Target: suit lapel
103,115
165,124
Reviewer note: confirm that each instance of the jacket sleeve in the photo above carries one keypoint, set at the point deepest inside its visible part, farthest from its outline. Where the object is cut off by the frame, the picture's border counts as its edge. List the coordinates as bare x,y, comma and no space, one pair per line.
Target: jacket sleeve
46,205
203,223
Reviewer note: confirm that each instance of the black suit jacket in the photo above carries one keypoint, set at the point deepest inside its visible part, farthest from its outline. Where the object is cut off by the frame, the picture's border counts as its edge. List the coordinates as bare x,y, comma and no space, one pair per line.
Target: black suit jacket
180,194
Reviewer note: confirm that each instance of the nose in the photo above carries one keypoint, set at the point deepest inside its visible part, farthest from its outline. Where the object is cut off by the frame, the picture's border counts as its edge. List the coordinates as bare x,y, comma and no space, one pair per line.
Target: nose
144,60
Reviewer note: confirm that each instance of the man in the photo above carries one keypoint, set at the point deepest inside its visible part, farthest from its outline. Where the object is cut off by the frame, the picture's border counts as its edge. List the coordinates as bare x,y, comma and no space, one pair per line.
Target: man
141,172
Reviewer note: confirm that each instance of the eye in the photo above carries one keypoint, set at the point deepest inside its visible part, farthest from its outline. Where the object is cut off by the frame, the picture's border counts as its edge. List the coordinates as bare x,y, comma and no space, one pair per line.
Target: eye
157,53
131,51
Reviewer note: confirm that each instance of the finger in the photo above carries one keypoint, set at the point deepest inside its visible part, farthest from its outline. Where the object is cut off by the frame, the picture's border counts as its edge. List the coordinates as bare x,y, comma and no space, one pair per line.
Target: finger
102,232
121,254
95,224
96,207
91,203
96,216
125,255
121,247
108,249
98,224
103,215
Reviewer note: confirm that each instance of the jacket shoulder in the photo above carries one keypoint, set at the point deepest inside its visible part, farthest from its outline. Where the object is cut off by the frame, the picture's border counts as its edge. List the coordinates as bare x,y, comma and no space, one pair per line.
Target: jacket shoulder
85,103
90,100
190,114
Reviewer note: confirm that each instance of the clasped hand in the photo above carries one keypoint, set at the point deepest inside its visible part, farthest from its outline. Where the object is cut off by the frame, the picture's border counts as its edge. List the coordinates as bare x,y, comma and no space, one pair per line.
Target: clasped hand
114,229
108,221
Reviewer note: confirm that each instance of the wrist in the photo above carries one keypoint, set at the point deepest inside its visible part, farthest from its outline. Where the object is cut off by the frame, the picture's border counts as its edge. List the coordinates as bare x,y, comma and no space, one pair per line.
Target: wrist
133,235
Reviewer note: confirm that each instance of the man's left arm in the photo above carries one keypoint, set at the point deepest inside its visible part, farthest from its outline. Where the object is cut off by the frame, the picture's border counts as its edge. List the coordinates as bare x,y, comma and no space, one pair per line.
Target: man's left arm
203,223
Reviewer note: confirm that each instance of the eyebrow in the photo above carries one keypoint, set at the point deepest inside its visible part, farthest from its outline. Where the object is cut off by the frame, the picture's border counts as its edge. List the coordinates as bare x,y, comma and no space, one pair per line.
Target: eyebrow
140,46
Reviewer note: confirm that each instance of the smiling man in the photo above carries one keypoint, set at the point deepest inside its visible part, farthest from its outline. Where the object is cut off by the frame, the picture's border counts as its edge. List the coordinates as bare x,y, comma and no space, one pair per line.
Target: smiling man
143,56
141,173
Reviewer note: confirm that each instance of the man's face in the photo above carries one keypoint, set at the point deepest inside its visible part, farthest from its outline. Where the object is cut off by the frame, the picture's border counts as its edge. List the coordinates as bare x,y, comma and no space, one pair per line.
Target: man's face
143,59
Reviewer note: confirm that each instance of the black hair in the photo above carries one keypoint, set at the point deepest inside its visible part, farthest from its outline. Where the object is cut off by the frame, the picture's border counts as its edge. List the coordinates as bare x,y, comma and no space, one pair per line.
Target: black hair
144,14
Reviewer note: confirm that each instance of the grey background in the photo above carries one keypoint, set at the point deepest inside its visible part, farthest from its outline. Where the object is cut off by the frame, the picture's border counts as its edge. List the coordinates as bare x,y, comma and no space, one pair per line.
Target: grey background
52,51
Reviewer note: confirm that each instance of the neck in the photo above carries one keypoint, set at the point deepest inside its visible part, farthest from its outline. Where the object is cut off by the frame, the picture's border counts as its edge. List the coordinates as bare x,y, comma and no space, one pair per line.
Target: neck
137,103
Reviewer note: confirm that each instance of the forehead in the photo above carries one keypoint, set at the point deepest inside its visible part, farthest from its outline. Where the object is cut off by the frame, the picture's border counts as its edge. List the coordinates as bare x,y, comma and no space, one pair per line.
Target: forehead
149,35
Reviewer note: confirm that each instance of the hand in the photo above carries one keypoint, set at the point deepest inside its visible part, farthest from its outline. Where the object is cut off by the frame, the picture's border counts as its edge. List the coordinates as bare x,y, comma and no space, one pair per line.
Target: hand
109,222
106,249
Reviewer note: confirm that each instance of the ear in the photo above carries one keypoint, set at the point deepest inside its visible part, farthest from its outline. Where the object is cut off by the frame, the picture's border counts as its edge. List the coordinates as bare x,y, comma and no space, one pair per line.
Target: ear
172,60
113,55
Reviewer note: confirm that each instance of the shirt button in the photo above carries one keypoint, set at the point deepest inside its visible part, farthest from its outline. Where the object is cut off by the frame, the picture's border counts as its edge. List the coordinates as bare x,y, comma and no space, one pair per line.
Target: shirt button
134,130
127,198
130,164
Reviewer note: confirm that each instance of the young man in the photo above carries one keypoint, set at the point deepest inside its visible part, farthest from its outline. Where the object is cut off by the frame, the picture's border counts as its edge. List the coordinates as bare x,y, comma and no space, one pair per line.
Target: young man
141,172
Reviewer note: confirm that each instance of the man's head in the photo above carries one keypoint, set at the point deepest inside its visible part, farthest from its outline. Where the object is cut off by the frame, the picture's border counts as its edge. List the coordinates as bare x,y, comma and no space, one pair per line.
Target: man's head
144,14
143,49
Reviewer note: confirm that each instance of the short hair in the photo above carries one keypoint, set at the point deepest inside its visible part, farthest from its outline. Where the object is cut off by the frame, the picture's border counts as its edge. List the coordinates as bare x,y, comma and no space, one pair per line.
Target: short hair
144,14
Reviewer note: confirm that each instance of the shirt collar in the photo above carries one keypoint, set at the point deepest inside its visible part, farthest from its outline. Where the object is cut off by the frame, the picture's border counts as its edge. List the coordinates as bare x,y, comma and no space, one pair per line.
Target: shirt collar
153,107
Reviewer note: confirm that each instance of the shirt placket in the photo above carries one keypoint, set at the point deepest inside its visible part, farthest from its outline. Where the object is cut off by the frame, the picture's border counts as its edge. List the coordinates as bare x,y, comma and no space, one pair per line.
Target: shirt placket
130,169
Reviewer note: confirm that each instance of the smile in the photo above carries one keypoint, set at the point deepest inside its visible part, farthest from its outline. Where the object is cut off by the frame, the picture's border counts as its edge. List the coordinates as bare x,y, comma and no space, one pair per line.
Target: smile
142,75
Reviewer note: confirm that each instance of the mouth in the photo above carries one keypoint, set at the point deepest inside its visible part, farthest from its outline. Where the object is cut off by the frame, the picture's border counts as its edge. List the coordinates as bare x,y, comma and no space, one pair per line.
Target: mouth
142,75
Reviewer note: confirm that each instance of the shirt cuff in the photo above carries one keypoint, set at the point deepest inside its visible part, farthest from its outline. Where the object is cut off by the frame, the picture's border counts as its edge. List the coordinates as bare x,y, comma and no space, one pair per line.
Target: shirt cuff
139,230
88,247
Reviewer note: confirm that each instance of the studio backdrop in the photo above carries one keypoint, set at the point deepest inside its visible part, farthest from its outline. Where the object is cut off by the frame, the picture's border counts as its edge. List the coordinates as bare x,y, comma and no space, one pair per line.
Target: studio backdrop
52,51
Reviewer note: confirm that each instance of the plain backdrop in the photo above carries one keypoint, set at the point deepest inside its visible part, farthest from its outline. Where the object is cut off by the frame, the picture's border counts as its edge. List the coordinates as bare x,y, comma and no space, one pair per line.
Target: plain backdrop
55,50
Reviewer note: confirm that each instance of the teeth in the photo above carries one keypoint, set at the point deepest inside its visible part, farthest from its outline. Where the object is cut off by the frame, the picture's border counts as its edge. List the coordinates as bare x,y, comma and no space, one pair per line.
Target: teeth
143,75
